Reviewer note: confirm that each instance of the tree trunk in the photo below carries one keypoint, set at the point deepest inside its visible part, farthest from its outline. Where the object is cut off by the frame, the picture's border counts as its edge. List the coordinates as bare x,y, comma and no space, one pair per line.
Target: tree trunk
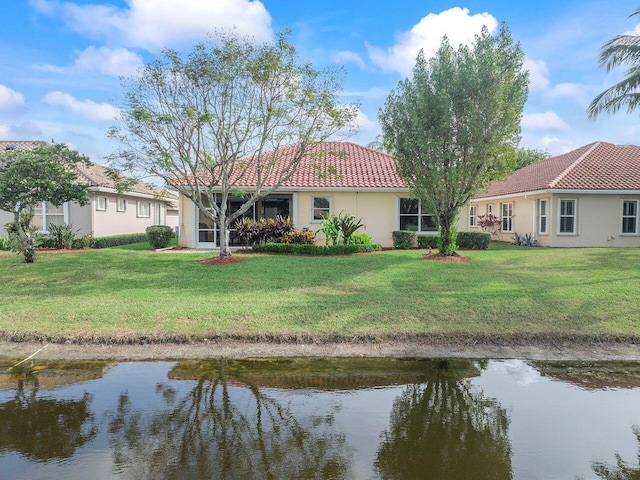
448,235
223,240
26,240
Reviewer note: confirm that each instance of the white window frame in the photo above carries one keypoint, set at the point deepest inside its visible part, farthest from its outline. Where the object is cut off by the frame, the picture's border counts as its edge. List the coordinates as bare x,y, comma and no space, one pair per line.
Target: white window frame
508,217
64,214
121,205
102,203
635,217
140,213
544,216
473,216
314,208
420,214
561,201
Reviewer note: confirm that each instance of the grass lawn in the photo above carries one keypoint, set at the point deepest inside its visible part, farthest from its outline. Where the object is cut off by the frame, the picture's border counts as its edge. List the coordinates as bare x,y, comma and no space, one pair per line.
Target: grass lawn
507,292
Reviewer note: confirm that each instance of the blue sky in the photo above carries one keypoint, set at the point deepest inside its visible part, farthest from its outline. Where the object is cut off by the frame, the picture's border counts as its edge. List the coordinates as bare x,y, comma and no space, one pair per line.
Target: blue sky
60,61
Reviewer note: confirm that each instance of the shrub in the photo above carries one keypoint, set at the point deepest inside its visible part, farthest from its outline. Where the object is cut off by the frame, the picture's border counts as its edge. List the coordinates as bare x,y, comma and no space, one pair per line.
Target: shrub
428,241
299,237
263,230
360,238
404,239
117,240
159,236
62,236
315,249
45,241
85,241
330,226
525,240
5,243
474,240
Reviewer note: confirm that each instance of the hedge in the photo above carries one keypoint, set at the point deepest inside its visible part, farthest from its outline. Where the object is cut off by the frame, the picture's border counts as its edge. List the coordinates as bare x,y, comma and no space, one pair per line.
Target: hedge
404,239
474,240
159,236
426,241
315,249
116,240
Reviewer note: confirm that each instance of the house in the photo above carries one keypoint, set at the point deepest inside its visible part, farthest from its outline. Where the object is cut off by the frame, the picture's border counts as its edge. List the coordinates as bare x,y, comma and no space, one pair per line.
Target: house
336,177
585,198
108,212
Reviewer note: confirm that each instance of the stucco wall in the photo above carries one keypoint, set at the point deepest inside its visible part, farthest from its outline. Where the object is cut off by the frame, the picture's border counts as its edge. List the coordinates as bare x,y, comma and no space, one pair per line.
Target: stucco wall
598,219
377,209
112,222
5,217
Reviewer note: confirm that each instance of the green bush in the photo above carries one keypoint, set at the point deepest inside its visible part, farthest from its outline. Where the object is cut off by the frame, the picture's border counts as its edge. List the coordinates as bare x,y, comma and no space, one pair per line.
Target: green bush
5,243
404,239
299,237
474,240
428,241
360,238
62,236
159,235
85,241
315,249
45,241
117,240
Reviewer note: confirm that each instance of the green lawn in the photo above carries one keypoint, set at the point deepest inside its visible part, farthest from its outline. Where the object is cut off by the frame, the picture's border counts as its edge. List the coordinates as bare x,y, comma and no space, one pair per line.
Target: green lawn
505,293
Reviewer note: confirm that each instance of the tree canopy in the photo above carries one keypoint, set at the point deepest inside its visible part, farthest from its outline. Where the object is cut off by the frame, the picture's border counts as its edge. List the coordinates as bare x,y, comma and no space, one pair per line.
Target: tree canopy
46,173
215,120
620,51
455,125
527,156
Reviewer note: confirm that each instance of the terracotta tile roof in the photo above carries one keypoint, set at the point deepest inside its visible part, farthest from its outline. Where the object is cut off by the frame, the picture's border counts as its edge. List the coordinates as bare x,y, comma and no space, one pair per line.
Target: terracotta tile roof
335,165
597,166
93,175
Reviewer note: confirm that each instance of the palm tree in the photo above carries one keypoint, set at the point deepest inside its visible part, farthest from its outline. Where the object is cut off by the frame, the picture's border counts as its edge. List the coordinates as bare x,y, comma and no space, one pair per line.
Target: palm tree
621,50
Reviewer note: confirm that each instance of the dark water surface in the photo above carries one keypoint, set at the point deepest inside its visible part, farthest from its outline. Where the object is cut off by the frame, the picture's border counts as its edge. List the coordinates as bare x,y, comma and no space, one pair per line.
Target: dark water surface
320,418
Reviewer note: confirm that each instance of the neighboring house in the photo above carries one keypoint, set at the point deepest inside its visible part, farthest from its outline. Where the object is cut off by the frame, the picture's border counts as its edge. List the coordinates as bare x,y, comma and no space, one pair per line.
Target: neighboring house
337,177
588,197
108,212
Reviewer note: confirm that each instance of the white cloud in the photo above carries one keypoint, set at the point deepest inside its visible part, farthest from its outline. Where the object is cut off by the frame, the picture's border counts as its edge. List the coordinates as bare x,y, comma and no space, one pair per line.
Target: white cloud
10,100
538,74
375,93
363,122
115,62
20,131
99,112
544,121
346,56
456,23
157,24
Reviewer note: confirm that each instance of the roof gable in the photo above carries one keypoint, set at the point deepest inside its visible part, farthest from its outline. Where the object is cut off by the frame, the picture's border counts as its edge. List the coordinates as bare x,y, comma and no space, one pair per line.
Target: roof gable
596,166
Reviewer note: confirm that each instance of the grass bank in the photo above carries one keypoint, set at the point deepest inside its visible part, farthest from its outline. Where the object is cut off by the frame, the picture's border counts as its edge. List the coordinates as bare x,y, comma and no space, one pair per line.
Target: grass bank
508,293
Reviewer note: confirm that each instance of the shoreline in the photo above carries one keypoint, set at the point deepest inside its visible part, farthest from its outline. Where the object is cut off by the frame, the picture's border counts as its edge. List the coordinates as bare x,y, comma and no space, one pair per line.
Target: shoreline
561,351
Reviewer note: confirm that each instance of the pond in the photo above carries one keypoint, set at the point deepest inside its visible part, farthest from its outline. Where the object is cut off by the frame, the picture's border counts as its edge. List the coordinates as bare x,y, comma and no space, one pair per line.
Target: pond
331,418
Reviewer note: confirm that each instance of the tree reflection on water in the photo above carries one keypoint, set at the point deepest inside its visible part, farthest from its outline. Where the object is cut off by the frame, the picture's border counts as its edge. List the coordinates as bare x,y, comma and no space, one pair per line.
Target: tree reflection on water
621,470
445,429
224,427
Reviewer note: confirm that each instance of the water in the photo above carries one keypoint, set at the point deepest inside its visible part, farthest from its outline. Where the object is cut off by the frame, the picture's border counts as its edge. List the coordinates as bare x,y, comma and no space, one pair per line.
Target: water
320,418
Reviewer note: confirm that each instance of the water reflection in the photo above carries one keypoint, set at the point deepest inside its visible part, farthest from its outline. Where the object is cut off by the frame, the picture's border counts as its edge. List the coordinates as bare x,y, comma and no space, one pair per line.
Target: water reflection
320,418
445,429
224,427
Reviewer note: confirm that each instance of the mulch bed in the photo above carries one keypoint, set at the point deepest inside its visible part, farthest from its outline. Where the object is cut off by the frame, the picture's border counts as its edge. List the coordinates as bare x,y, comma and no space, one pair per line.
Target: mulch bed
221,260
445,258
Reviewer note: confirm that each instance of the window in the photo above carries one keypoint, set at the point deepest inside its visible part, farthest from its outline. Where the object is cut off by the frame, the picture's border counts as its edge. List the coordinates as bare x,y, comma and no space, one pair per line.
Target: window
473,217
144,209
121,205
542,216
489,209
46,213
630,217
506,214
101,204
321,208
414,218
567,216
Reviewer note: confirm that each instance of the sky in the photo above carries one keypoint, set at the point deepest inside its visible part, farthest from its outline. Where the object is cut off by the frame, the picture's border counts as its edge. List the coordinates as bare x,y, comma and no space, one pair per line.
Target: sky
61,62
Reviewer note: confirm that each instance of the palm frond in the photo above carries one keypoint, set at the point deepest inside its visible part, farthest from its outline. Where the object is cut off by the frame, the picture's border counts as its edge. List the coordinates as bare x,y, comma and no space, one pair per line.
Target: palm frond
620,50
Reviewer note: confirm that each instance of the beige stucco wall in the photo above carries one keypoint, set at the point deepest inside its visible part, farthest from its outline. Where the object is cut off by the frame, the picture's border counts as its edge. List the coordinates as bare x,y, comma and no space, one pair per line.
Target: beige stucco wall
377,209
598,219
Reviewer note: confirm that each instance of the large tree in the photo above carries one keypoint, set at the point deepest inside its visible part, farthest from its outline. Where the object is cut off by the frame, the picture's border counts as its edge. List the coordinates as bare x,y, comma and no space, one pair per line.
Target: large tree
28,177
455,124
620,51
527,156
212,123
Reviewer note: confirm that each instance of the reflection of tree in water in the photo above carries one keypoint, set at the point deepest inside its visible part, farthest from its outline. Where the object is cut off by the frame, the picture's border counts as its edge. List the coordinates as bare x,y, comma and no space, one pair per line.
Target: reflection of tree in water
621,470
443,429
45,428
225,428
